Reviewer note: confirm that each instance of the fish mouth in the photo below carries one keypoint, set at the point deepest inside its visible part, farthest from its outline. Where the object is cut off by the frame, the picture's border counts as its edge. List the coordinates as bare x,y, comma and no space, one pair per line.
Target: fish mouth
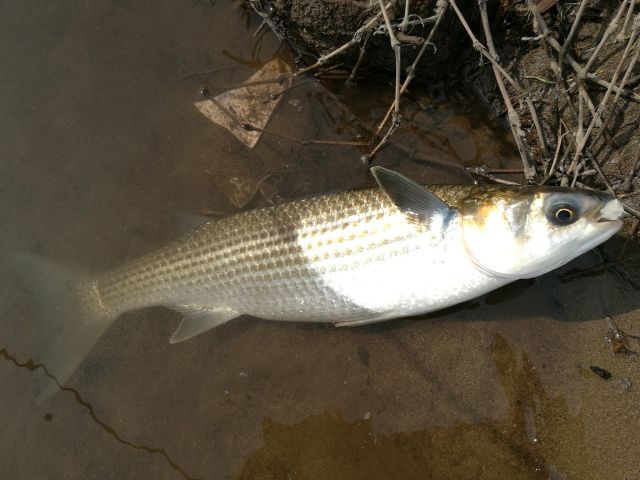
611,212
603,229
606,228
605,225
607,222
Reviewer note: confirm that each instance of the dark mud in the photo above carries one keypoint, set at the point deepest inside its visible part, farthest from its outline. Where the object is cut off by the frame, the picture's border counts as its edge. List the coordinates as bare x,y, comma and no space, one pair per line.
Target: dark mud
314,28
102,146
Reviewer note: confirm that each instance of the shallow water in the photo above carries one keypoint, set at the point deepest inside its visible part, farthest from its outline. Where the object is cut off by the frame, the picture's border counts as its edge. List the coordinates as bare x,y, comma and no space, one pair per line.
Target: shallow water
102,147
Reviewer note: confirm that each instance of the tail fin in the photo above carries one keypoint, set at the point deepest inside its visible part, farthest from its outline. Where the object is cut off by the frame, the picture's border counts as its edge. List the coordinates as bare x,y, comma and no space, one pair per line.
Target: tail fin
70,317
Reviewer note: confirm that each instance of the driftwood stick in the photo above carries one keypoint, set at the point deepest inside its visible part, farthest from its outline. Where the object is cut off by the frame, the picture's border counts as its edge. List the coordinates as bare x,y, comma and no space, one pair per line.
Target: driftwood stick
572,61
627,21
395,45
366,158
484,172
623,82
405,21
574,27
482,49
441,8
302,141
556,155
580,130
536,123
266,19
601,107
605,179
514,118
411,23
561,86
355,39
363,48
609,30
584,95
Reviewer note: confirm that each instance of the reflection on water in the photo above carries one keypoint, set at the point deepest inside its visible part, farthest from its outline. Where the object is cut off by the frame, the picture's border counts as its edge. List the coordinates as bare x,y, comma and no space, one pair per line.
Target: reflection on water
102,148
327,446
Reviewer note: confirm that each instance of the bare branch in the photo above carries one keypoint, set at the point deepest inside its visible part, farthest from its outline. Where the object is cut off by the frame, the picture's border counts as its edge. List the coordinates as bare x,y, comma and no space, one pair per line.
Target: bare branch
356,39
514,118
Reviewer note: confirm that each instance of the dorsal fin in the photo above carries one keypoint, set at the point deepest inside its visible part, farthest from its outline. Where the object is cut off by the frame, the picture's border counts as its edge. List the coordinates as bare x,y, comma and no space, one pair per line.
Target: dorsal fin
419,204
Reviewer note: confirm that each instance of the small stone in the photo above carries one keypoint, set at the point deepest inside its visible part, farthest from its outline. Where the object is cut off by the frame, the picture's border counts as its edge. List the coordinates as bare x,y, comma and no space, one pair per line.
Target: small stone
625,383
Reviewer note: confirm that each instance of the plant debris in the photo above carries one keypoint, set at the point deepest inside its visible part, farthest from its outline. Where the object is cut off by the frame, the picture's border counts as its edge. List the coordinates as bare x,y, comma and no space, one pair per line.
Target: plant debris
618,340
563,76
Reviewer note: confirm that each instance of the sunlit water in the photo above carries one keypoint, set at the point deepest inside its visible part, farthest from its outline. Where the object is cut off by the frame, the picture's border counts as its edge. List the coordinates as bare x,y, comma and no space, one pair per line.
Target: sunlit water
101,147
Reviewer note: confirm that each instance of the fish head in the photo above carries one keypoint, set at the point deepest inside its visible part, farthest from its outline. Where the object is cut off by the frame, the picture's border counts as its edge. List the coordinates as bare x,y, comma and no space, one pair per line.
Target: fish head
523,232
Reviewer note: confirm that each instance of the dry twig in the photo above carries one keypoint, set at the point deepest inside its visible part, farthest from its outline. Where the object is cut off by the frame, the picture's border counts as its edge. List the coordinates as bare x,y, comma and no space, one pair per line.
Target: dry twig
357,36
598,113
514,118
441,8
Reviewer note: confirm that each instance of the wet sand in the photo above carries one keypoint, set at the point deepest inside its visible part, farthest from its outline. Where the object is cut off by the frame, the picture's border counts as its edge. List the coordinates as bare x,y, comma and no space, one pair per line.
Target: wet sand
102,148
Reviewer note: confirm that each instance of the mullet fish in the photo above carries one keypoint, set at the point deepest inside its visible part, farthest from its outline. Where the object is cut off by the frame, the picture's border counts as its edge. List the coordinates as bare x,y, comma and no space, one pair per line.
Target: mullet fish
349,259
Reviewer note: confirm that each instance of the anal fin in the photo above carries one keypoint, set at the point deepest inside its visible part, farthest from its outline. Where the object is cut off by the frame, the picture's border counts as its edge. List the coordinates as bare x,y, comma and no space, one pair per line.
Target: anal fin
364,321
198,319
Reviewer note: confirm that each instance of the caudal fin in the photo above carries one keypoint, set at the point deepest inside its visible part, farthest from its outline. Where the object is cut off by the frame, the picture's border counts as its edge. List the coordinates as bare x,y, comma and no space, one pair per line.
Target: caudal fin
70,317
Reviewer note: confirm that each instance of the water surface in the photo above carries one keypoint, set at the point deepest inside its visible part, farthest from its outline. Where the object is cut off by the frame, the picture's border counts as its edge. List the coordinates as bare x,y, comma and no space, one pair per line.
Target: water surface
101,148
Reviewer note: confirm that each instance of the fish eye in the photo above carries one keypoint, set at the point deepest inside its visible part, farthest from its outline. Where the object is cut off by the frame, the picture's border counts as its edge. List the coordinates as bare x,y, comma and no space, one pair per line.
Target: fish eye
562,215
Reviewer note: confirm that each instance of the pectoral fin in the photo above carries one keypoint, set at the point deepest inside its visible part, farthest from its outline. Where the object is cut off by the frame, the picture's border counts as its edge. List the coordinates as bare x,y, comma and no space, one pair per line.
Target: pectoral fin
198,319
416,202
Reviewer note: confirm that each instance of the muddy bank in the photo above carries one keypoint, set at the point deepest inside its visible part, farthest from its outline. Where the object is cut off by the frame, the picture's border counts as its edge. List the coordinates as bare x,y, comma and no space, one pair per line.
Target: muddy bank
314,29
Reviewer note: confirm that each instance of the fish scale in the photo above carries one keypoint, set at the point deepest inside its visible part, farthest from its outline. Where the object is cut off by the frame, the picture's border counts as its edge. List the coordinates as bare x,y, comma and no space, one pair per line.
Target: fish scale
281,262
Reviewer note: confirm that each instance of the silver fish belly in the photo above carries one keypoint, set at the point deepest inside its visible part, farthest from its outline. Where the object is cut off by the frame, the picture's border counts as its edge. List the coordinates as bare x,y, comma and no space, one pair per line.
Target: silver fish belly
350,257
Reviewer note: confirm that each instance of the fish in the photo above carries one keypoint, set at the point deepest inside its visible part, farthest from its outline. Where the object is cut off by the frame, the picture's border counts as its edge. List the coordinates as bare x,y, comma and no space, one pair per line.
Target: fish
350,258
